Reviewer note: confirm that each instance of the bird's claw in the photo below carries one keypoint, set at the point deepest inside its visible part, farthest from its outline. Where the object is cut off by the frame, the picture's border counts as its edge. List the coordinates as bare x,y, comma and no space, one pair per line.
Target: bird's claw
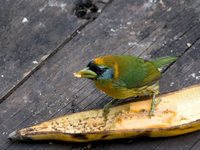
153,104
106,109
105,112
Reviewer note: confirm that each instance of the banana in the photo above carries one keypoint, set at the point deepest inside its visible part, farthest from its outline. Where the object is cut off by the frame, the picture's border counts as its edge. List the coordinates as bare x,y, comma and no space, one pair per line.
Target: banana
177,113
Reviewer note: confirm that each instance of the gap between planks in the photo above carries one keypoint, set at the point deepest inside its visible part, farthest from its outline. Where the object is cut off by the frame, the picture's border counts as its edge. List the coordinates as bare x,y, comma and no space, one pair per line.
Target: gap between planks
59,47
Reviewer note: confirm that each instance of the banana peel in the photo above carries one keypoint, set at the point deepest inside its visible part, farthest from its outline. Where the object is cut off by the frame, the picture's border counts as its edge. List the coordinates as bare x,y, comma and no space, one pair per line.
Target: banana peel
178,113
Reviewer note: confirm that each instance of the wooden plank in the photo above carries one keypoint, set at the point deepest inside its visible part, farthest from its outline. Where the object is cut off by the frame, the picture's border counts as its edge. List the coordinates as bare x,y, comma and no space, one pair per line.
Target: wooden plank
53,91
196,146
47,25
29,32
182,74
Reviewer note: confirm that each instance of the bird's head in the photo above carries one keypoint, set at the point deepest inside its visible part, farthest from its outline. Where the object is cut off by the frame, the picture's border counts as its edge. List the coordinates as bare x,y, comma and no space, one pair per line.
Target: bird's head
95,72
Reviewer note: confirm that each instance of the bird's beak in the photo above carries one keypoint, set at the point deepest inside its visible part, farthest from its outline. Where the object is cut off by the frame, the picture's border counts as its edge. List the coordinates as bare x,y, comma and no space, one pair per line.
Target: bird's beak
85,73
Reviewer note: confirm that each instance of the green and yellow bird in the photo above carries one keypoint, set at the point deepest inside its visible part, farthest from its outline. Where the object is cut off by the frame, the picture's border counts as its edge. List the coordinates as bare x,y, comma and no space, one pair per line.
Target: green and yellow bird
124,76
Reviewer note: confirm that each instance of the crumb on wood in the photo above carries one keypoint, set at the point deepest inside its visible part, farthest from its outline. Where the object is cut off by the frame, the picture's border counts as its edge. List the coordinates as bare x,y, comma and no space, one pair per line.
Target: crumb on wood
54,3
112,30
189,44
172,83
35,62
25,20
195,76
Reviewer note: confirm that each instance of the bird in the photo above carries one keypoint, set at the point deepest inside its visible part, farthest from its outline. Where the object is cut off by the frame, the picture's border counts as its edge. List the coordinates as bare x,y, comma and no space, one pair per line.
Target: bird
125,76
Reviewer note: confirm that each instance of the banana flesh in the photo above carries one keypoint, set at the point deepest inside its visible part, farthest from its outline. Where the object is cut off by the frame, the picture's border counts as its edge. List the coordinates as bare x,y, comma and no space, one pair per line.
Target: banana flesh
177,113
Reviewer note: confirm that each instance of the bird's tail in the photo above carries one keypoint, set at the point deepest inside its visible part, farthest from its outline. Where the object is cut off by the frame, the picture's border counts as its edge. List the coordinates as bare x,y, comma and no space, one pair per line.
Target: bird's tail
161,62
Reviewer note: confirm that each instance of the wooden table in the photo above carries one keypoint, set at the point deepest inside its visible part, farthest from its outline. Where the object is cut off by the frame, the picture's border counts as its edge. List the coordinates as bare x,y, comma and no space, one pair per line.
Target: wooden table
42,42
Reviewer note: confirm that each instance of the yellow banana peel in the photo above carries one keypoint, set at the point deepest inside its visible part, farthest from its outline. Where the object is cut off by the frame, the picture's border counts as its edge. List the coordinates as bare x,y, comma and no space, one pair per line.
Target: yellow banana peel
178,113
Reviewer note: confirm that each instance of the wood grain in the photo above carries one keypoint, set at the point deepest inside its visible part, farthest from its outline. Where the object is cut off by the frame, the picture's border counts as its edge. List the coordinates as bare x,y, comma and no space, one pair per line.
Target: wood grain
30,32
132,27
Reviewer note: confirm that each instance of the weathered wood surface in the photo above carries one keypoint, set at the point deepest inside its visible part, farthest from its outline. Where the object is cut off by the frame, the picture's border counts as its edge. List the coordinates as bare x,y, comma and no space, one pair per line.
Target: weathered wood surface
30,32
141,28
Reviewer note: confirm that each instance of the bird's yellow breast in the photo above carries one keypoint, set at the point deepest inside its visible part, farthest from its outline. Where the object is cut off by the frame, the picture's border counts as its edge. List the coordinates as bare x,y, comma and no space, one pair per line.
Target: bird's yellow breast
123,93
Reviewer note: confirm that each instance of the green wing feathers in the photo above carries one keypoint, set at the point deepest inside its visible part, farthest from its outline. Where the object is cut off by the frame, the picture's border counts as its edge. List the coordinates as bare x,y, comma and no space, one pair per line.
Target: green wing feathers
135,72
161,62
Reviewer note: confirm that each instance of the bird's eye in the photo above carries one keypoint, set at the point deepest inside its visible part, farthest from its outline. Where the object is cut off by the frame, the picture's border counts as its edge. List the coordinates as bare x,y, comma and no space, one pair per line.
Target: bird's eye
93,67
97,69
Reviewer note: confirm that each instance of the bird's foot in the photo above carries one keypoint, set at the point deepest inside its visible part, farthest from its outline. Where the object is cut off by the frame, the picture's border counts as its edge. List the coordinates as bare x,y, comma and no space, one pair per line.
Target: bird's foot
106,109
154,103
157,101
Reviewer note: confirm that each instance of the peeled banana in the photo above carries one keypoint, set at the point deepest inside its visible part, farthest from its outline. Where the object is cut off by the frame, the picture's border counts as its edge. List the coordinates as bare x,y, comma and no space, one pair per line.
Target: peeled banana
178,113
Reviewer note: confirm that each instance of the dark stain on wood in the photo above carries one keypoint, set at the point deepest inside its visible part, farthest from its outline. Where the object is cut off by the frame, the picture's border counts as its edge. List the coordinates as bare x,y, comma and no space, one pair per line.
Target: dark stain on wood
141,28
85,9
